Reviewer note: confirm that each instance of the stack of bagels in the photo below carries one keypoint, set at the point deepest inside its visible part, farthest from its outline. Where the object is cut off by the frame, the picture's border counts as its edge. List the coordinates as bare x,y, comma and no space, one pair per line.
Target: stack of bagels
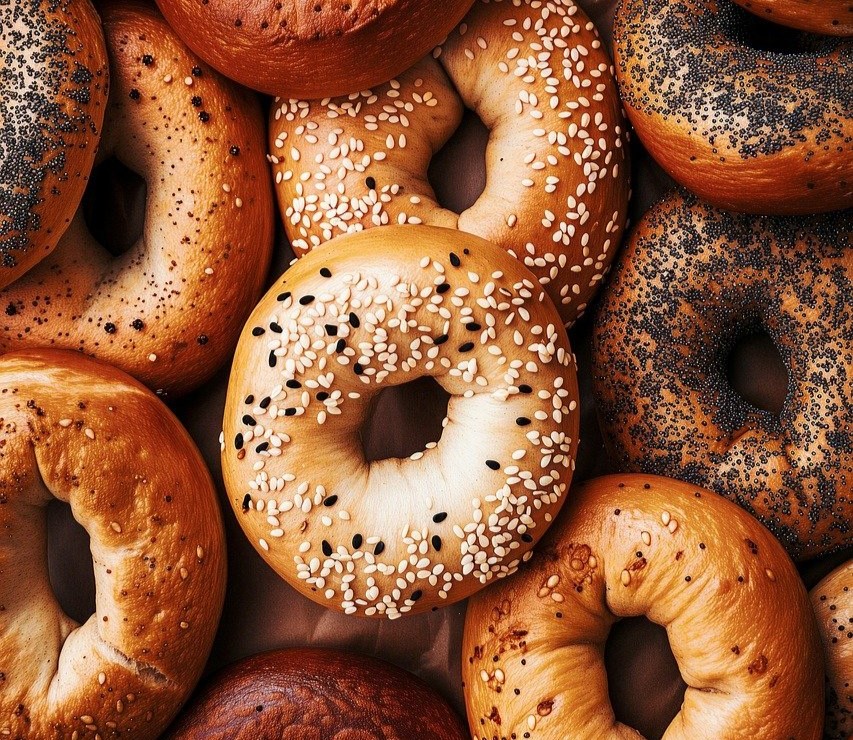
247,218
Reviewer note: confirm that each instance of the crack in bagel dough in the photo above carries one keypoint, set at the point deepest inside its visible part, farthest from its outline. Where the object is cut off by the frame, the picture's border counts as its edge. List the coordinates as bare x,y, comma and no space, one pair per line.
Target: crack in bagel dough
53,92
693,279
169,310
557,169
87,434
832,600
748,130
734,608
377,309
833,17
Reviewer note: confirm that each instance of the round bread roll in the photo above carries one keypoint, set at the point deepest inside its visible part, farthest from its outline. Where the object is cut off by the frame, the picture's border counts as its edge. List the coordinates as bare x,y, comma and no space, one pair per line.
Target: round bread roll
834,17
312,48
314,694
168,310
744,128
736,612
377,309
53,94
88,435
691,282
557,169
832,600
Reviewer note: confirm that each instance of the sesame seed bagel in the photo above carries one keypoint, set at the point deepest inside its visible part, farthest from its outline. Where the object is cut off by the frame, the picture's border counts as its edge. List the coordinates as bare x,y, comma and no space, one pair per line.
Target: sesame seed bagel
556,164
168,310
378,309
311,694
691,282
87,434
745,129
832,600
52,100
734,608
312,48
833,17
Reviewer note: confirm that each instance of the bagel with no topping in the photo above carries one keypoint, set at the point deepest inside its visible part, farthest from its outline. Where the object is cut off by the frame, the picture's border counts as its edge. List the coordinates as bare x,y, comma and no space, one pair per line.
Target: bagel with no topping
834,17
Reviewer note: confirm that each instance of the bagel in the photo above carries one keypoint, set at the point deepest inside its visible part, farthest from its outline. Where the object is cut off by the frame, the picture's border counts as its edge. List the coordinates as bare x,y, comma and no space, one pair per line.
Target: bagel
52,100
735,610
309,694
312,48
169,310
557,166
833,17
747,130
373,310
691,282
832,600
89,435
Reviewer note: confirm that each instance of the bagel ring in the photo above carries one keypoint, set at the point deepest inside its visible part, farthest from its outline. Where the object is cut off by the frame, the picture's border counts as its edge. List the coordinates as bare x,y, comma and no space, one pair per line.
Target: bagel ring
691,281
817,16
747,130
87,434
832,600
52,101
557,166
735,610
169,310
377,309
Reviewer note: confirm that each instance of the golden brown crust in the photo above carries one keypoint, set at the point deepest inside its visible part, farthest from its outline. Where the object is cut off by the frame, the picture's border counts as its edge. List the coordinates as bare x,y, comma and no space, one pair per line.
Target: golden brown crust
557,170
312,48
833,17
736,613
169,310
308,694
832,600
376,309
52,102
89,435
745,129
690,283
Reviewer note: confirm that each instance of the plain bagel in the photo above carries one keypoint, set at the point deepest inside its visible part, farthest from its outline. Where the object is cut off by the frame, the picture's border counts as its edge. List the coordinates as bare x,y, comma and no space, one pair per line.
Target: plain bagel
376,309
312,48
52,100
557,165
168,310
735,610
832,600
818,16
87,434
313,694
745,129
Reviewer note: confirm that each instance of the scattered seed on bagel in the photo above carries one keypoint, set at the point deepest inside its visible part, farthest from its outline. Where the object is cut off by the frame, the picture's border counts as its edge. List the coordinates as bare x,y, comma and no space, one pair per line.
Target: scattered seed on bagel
377,309
53,93
169,310
746,129
691,281
557,165
85,433
735,610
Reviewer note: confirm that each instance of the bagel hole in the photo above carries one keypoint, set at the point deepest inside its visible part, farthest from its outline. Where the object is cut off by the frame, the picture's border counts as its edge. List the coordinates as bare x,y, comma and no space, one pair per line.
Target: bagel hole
114,206
69,562
757,373
404,419
645,686
457,171
763,35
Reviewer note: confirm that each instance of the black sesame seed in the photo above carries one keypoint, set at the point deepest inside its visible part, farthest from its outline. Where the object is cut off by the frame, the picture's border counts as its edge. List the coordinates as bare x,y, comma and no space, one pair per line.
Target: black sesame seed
493,464
527,537
248,420
327,549
341,345
147,60
473,326
440,517
436,543
272,358
283,296
330,500
204,116
275,327
524,388
325,272
196,101
238,441
110,327
454,259
258,331
331,329
522,421
250,399
322,396
379,549
247,502
371,183
306,299
441,339
416,595
442,288
138,324
293,384
357,541
134,94
290,411
202,339
466,347
262,447
11,310
357,368
234,151
354,321
265,402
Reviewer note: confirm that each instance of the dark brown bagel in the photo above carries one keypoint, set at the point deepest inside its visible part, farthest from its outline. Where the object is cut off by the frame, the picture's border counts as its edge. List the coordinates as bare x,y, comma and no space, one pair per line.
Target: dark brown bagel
747,130
834,17
312,48
315,694
53,92
690,283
